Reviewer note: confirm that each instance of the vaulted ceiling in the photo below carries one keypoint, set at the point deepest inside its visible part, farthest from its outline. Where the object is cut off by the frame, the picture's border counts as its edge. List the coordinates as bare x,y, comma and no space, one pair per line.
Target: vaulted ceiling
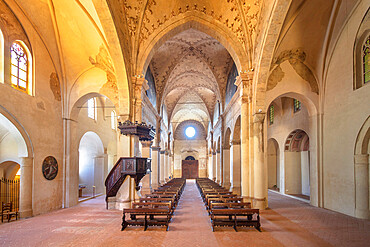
190,72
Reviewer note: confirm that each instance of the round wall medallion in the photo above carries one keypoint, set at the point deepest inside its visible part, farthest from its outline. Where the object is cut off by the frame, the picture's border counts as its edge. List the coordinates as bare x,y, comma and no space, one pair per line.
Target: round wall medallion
50,168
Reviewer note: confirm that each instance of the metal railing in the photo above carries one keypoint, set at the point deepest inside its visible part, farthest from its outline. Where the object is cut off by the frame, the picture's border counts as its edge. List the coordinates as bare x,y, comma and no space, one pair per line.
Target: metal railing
9,192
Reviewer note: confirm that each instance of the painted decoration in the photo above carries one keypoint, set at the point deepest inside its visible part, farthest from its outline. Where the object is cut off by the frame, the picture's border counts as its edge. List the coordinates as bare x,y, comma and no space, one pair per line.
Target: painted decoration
50,168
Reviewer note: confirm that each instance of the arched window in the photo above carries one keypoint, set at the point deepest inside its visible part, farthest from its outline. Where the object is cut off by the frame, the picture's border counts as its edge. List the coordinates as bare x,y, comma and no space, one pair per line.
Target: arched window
297,105
271,114
113,120
366,60
361,54
91,108
20,67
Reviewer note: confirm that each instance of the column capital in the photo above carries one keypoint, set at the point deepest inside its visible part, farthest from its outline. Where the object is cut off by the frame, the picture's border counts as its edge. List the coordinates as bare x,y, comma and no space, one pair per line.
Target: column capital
162,151
259,117
146,144
235,142
156,148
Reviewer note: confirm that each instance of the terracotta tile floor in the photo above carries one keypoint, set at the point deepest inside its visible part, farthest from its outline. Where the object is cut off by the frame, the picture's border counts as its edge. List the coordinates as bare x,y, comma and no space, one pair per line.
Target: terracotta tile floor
289,222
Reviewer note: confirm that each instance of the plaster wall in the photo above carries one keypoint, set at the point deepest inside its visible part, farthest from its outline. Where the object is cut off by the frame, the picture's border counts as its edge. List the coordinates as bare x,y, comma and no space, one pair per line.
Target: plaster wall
41,111
184,148
345,111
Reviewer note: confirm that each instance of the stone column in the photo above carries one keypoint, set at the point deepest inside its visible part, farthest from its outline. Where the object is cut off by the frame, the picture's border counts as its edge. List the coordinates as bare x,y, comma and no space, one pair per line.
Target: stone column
146,180
245,82
155,166
214,166
161,167
25,197
210,166
260,188
362,186
170,165
218,166
226,171
166,166
236,184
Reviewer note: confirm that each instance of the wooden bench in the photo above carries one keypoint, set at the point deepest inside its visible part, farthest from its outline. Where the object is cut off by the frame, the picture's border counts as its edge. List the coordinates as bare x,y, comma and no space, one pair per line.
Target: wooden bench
160,200
147,214
6,211
236,217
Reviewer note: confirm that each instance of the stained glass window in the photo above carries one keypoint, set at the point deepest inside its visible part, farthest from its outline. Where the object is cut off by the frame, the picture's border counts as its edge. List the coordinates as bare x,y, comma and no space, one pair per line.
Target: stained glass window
297,105
271,114
113,120
91,113
19,66
366,60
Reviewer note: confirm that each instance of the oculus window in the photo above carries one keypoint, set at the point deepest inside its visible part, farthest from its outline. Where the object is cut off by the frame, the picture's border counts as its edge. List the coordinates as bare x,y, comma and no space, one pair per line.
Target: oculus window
190,132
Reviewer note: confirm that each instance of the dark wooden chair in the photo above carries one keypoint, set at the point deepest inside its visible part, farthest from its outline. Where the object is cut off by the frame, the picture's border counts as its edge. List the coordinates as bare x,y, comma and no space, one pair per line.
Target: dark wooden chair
6,211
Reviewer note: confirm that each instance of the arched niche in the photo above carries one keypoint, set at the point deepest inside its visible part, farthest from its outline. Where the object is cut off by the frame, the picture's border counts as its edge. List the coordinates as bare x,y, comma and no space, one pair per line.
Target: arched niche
273,166
297,164
16,149
361,171
91,164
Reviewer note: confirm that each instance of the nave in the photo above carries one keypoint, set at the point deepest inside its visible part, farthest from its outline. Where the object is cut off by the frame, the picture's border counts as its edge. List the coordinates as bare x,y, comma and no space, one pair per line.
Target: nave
288,222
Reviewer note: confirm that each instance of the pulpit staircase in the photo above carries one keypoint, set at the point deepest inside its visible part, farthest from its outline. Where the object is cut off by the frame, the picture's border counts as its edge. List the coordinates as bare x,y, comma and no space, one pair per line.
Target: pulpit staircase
135,167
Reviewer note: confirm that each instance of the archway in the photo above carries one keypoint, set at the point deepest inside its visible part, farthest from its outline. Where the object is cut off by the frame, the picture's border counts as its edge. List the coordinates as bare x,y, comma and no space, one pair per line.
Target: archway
361,170
297,164
235,159
16,152
226,160
91,165
273,166
99,122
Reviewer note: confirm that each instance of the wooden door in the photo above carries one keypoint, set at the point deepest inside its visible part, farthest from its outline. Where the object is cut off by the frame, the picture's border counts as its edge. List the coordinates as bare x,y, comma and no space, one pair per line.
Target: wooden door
190,169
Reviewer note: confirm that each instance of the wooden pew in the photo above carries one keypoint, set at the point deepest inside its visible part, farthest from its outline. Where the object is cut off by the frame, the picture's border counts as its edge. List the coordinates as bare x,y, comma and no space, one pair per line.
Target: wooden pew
147,214
236,217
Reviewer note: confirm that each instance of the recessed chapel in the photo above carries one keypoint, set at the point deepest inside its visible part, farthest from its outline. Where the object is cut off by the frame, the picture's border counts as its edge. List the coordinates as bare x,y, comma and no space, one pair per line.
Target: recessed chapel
105,102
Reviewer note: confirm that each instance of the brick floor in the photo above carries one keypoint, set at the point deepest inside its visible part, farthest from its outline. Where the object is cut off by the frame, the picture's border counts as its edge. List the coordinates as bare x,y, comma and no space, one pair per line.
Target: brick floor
289,222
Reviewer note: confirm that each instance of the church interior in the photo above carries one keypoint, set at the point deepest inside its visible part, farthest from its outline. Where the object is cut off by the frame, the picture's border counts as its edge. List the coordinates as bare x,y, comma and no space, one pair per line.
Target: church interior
103,102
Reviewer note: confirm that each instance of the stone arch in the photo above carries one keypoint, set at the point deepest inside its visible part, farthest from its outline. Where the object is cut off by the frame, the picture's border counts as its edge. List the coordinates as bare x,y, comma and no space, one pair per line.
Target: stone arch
297,163
219,32
273,166
24,157
74,135
91,163
276,22
361,171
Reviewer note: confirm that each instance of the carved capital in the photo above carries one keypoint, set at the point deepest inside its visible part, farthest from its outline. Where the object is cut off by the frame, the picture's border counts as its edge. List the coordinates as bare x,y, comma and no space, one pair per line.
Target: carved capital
237,142
146,144
259,117
156,148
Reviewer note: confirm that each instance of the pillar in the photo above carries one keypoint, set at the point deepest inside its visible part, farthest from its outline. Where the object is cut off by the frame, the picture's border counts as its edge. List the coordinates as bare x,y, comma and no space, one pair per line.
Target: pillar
260,185
166,167
25,197
210,166
146,180
244,81
226,165
161,167
236,169
155,167
214,166
362,186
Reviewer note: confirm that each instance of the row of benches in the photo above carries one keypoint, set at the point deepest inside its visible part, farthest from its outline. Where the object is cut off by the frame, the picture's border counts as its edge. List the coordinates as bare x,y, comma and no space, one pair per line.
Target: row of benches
157,208
226,208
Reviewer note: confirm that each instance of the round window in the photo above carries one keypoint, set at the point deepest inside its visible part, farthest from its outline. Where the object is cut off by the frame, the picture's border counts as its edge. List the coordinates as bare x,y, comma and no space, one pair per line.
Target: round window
190,132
